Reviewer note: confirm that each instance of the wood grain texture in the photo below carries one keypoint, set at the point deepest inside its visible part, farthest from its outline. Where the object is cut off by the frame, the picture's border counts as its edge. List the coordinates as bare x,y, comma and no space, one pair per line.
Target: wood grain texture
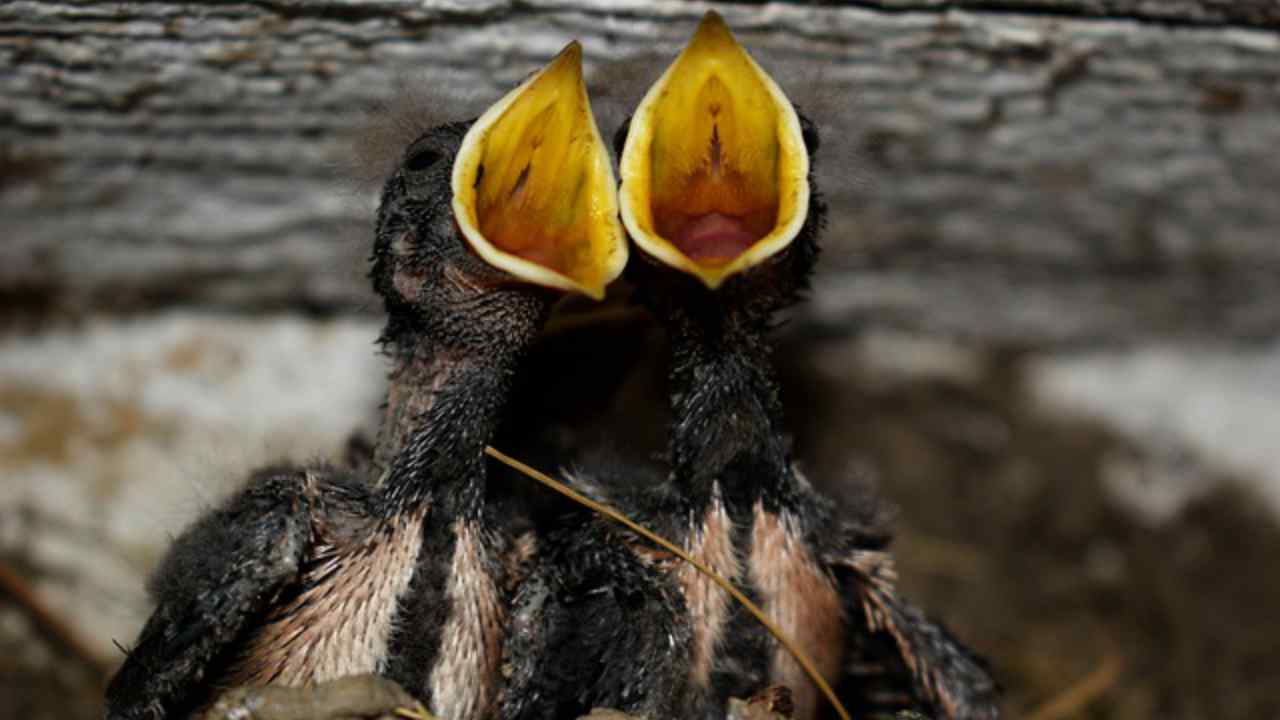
1028,172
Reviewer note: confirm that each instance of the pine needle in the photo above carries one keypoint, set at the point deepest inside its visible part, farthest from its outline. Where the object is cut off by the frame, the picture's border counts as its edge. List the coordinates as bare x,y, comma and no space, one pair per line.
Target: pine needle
417,712
1076,698
662,542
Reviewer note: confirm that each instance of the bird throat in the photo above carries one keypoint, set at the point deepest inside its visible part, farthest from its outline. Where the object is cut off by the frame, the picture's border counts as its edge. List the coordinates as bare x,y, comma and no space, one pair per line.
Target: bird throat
442,409
734,421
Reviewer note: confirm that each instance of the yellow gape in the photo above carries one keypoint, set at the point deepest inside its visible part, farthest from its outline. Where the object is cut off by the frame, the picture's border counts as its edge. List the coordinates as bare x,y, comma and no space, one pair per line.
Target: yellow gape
715,171
532,187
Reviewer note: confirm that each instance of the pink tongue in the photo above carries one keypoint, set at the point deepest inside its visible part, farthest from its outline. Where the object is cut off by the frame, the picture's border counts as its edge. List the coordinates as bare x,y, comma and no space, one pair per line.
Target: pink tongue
714,238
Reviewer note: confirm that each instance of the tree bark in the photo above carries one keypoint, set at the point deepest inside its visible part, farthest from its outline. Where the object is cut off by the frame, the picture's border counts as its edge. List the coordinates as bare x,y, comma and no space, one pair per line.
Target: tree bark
1026,173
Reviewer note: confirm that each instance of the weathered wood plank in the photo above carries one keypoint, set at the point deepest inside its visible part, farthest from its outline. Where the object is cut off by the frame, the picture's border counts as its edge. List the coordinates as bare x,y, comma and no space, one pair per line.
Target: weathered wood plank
1025,172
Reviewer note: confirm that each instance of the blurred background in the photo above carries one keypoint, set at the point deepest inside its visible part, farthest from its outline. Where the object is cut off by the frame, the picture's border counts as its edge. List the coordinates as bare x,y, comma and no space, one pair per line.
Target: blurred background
1045,326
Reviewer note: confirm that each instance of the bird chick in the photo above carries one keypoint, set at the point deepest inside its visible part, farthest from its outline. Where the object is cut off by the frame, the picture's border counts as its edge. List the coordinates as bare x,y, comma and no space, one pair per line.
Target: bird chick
308,574
719,195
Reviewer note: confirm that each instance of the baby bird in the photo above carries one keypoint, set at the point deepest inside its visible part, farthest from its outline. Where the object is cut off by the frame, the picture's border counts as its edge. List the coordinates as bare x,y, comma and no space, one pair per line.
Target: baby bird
307,574
718,194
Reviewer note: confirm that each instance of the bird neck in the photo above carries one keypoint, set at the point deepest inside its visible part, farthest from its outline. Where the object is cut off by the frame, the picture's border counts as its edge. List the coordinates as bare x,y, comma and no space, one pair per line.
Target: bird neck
443,406
727,417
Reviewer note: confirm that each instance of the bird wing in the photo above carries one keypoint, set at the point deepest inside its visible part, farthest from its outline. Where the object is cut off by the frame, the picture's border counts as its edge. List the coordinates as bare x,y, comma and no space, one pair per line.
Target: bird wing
943,671
220,576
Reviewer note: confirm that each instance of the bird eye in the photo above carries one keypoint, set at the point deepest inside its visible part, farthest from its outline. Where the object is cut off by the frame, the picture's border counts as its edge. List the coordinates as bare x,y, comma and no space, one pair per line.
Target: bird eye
421,159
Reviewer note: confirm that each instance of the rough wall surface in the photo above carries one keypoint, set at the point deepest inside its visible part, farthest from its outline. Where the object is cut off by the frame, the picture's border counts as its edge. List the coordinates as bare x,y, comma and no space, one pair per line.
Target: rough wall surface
1029,173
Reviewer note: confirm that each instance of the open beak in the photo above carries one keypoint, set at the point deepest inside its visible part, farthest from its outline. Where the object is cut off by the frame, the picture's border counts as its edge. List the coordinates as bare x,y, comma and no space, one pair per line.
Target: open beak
715,175
533,191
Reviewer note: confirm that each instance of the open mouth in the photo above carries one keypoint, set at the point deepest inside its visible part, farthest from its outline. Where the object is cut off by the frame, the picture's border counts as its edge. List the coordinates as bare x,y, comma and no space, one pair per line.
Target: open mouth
714,170
532,188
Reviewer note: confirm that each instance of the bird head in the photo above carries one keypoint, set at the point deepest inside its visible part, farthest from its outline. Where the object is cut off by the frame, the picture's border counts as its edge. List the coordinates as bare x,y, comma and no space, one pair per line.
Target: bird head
483,224
717,189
